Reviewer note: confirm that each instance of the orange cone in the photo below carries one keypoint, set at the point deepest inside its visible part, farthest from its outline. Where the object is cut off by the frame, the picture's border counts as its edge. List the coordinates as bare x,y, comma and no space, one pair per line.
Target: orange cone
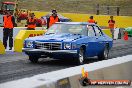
126,36
86,74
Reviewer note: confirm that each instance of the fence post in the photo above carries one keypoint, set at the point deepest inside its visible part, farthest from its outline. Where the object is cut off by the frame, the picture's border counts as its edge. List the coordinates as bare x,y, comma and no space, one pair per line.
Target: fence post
97,7
118,11
108,10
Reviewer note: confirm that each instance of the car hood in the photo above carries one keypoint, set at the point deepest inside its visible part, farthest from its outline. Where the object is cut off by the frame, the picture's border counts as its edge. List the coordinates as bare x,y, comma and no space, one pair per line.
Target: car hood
57,37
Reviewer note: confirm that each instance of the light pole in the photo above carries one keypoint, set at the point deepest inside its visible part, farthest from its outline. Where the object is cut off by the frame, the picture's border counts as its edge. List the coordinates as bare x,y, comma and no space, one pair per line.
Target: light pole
15,7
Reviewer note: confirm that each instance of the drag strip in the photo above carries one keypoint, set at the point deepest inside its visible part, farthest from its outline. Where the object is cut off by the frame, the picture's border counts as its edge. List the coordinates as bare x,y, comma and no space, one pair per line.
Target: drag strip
16,65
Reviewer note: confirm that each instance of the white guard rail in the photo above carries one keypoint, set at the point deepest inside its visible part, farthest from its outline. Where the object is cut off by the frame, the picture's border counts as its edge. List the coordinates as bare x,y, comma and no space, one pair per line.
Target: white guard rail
116,68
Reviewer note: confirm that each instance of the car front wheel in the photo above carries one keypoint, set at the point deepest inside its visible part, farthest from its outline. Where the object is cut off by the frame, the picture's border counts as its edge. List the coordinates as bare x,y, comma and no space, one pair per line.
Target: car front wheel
80,59
33,59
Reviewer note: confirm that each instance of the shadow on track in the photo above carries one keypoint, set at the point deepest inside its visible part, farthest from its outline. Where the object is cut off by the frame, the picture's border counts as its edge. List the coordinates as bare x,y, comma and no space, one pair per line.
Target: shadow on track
69,63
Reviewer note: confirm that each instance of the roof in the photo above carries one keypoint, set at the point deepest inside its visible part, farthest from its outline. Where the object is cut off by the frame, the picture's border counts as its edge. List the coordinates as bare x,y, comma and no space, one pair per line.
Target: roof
82,23
9,3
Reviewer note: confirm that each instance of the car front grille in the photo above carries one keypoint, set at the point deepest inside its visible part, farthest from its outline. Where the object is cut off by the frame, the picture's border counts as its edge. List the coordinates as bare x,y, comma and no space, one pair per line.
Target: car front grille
48,46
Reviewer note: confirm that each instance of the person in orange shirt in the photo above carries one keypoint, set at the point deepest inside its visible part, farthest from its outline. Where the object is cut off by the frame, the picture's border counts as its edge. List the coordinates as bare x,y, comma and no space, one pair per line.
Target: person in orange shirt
31,22
91,20
111,23
9,23
52,19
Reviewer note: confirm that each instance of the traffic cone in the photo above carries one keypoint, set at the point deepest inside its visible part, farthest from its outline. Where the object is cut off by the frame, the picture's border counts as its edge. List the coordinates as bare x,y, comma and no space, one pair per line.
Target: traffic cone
86,74
126,36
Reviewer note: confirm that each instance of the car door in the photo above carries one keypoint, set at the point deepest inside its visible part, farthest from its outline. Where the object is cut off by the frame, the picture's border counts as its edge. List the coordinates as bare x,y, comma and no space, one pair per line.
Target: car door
91,50
100,39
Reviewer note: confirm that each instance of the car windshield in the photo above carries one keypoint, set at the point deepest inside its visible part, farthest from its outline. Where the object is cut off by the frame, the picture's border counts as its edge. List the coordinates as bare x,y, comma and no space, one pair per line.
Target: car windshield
8,7
67,28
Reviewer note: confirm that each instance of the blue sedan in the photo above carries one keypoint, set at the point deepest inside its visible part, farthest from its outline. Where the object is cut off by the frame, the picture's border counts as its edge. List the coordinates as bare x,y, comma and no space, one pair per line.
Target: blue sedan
69,40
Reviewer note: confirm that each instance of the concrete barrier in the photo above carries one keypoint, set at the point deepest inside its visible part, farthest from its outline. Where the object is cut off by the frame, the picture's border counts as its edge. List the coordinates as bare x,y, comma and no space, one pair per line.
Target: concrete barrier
16,31
112,69
2,48
23,34
118,32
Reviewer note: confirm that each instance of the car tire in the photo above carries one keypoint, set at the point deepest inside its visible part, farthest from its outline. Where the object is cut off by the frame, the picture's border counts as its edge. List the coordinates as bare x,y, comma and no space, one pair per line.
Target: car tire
80,59
33,59
105,54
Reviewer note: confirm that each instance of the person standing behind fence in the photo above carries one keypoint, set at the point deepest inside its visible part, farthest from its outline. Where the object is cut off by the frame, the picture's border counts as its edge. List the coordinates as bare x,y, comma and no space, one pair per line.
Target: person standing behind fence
52,19
91,20
31,22
9,22
111,23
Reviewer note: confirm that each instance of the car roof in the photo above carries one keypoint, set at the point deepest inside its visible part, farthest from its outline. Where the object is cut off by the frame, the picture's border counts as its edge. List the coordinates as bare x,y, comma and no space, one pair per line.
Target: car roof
81,23
9,3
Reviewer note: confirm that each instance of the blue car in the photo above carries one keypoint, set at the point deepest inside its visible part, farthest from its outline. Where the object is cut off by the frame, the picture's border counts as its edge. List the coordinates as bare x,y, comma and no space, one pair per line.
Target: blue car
69,40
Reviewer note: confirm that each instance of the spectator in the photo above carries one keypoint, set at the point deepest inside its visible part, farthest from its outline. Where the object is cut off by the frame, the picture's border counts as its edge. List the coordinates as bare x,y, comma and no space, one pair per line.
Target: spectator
31,22
111,23
52,19
91,20
9,22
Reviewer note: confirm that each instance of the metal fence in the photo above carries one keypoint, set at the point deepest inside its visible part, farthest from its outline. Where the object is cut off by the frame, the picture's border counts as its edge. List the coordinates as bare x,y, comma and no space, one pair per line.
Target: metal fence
113,10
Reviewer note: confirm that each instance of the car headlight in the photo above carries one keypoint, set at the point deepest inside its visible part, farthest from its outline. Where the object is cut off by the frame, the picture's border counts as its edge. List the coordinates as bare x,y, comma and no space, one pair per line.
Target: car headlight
67,46
29,44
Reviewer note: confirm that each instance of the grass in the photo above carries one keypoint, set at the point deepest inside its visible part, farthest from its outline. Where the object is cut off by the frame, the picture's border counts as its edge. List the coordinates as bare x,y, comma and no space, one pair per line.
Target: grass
76,6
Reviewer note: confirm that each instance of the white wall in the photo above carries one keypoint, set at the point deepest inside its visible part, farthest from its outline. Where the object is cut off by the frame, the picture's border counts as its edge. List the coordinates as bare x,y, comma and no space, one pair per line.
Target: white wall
15,31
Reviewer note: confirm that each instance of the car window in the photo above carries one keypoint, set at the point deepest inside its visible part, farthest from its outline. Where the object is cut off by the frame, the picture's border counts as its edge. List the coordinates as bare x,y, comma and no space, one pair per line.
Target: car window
75,29
67,28
98,31
91,31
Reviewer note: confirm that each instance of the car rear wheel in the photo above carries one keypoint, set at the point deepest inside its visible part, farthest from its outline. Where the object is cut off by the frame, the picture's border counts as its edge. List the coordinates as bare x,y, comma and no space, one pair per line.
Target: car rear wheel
105,54
80,59
33,59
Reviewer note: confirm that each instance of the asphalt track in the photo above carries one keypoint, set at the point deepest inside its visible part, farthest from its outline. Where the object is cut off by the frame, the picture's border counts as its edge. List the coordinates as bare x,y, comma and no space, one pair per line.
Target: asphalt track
16,65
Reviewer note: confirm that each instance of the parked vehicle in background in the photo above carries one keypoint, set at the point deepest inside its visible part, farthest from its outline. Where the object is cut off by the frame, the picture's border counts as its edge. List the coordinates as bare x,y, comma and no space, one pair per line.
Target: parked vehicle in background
69,40
22,15
19,14
5,7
